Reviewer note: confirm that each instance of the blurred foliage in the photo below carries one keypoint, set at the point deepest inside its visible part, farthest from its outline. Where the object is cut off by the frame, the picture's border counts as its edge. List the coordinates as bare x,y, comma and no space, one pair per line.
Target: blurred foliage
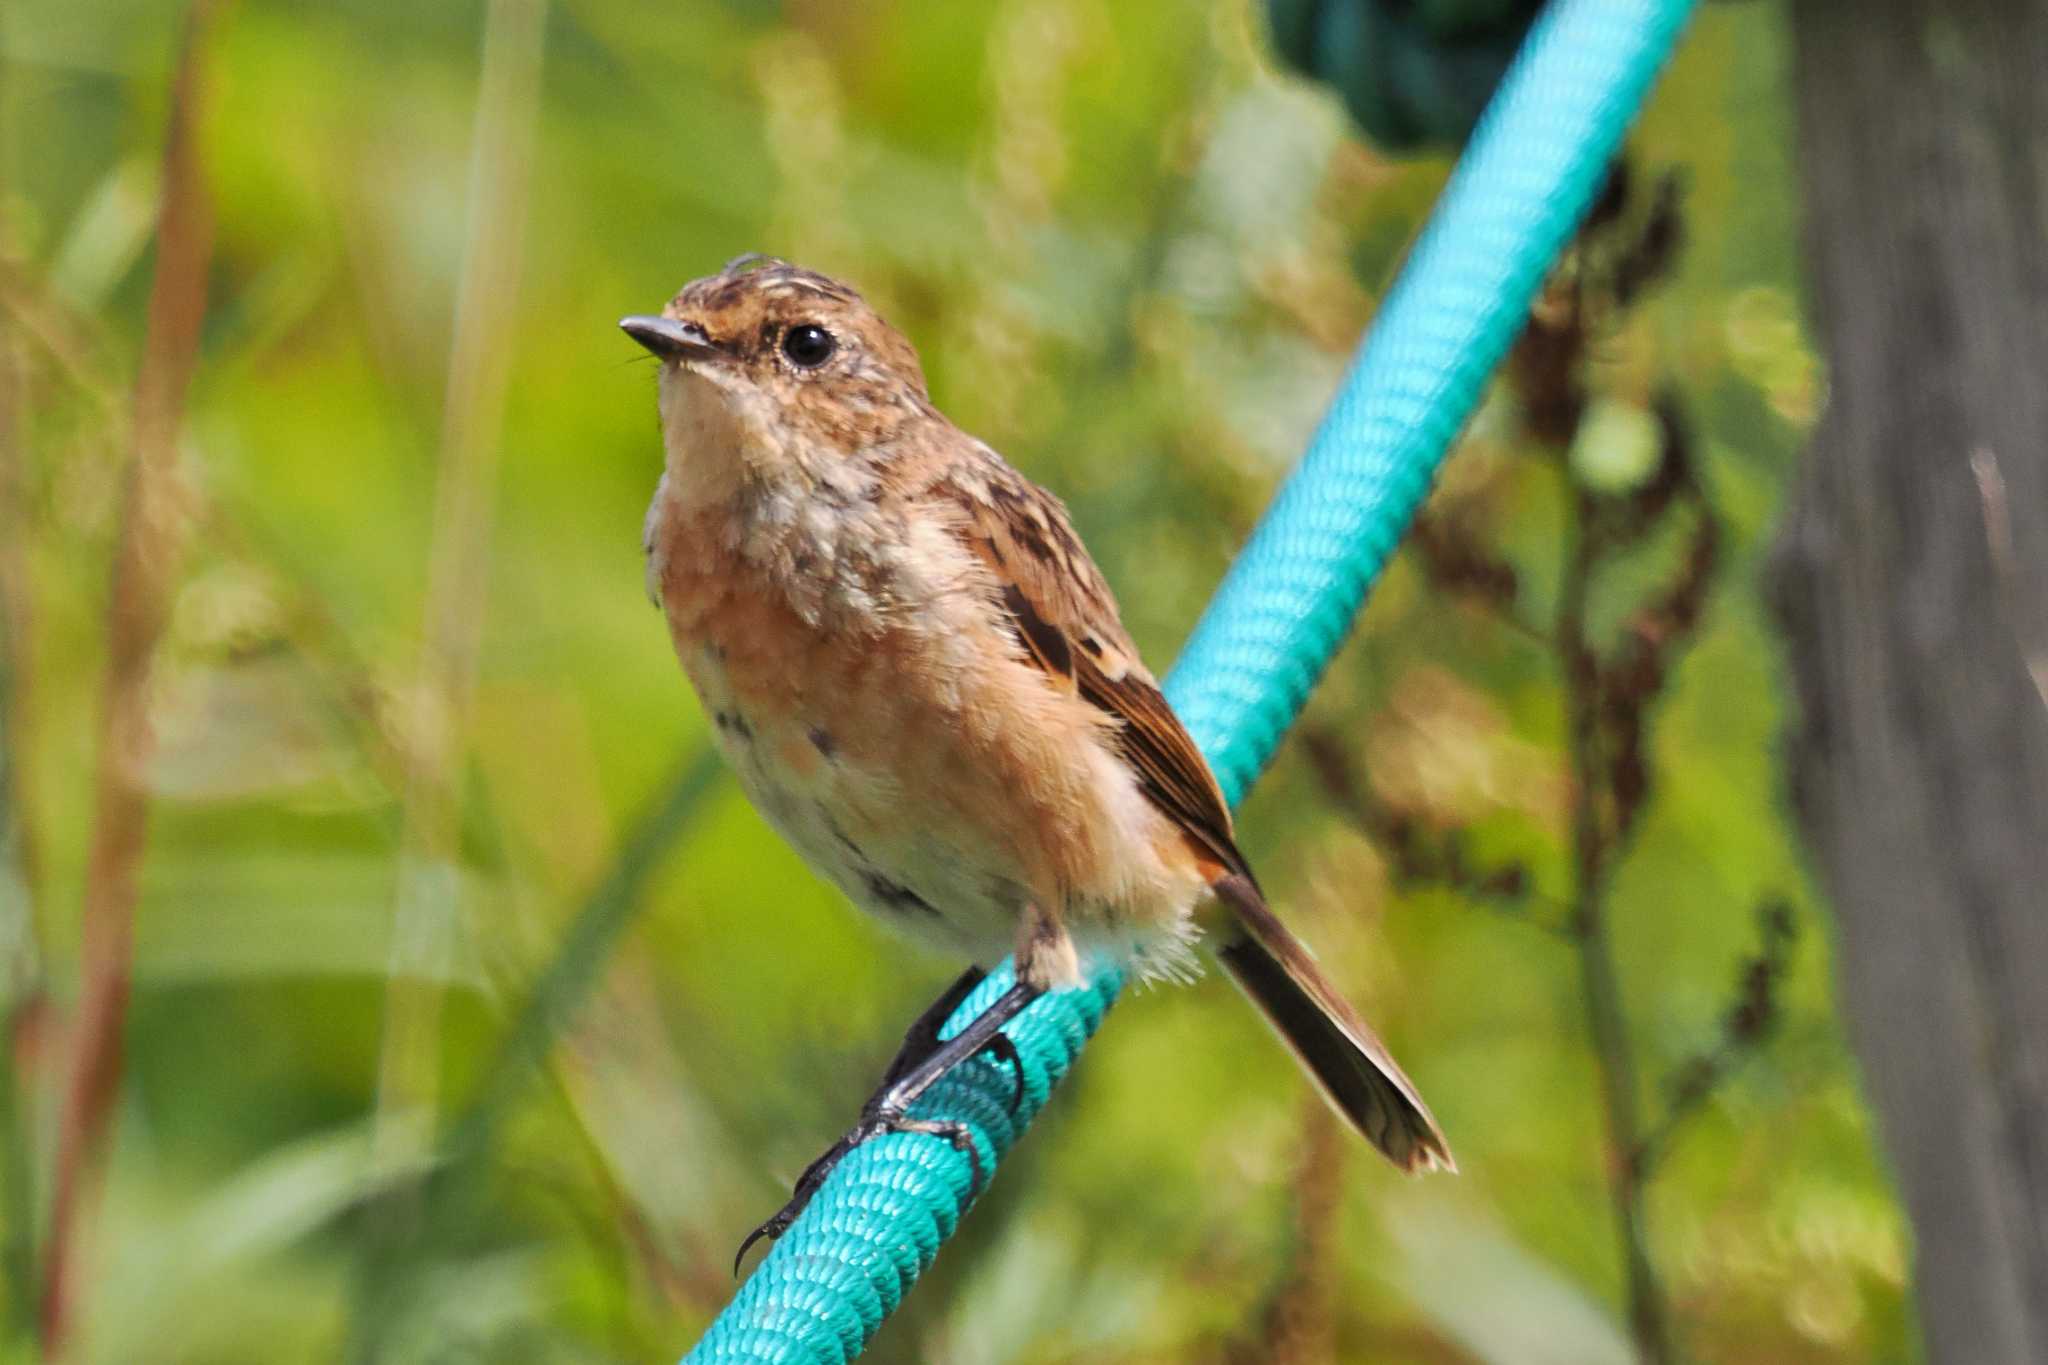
1136,259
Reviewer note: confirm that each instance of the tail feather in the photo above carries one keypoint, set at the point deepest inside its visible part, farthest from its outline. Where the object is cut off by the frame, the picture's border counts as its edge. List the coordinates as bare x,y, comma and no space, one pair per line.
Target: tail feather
1349,1063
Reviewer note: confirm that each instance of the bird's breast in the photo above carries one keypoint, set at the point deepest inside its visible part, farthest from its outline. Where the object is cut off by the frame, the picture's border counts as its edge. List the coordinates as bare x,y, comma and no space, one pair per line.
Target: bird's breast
878,713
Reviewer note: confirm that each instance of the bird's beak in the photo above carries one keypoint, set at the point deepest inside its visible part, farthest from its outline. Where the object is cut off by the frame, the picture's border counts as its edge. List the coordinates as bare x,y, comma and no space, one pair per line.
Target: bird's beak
669,339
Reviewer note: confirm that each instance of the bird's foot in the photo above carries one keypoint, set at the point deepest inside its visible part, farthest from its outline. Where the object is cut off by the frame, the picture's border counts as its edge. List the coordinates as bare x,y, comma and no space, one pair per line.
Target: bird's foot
922,1039
921,1063
870,1127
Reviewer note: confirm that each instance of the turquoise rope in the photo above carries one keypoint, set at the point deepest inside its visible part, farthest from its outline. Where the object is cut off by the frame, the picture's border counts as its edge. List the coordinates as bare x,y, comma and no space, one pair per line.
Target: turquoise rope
1524,182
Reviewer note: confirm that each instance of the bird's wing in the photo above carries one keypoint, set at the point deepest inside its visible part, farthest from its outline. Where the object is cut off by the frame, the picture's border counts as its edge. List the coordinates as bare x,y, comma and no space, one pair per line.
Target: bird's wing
1065,621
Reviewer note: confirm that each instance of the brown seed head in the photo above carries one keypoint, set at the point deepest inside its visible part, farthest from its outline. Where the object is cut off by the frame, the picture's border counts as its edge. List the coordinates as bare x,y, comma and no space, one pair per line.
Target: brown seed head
780,365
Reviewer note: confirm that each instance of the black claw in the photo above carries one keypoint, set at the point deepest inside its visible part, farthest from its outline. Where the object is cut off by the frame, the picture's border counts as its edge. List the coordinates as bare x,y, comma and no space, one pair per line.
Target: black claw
872,1126
807,1185
1003,1050
957,1133
771,1229
910,1075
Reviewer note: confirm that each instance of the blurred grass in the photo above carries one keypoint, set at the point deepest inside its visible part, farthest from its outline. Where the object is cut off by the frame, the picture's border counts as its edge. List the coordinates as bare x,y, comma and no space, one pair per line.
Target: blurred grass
430,872
1135,259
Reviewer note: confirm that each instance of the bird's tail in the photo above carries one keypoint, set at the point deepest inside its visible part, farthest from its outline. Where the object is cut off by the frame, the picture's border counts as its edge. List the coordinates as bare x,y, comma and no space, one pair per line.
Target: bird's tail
1349,1063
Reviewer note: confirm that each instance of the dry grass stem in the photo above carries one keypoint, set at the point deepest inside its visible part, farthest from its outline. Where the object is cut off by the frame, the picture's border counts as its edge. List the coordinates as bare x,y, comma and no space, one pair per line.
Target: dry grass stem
150,545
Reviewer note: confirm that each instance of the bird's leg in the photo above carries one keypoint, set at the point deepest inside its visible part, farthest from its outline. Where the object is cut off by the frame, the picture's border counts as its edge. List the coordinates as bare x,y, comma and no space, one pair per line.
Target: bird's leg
888,1109
922,1038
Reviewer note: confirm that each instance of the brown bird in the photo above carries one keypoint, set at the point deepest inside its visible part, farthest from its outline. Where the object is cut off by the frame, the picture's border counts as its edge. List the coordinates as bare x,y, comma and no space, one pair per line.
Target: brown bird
920,677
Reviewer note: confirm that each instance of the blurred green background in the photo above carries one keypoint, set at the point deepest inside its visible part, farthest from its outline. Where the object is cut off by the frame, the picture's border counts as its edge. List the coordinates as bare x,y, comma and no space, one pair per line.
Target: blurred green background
410,700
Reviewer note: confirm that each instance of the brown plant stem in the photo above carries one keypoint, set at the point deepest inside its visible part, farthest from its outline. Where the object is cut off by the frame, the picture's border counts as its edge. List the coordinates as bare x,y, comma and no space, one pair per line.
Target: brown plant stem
150,542
1606,1021
1300,1324
1751,1017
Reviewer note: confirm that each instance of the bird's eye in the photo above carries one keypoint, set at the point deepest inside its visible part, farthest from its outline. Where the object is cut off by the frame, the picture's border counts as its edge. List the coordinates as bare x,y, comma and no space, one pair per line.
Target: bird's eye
808,345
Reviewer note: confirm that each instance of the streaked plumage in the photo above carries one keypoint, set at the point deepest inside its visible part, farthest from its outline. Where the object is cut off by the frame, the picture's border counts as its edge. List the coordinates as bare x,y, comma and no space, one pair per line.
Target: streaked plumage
921,678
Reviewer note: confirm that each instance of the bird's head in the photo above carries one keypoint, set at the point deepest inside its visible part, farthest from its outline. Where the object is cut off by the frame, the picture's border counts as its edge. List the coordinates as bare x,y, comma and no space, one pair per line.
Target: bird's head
770,370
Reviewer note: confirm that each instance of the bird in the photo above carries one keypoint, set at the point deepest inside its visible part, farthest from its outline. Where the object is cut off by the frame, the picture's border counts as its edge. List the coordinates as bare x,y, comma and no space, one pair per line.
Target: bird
921,680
